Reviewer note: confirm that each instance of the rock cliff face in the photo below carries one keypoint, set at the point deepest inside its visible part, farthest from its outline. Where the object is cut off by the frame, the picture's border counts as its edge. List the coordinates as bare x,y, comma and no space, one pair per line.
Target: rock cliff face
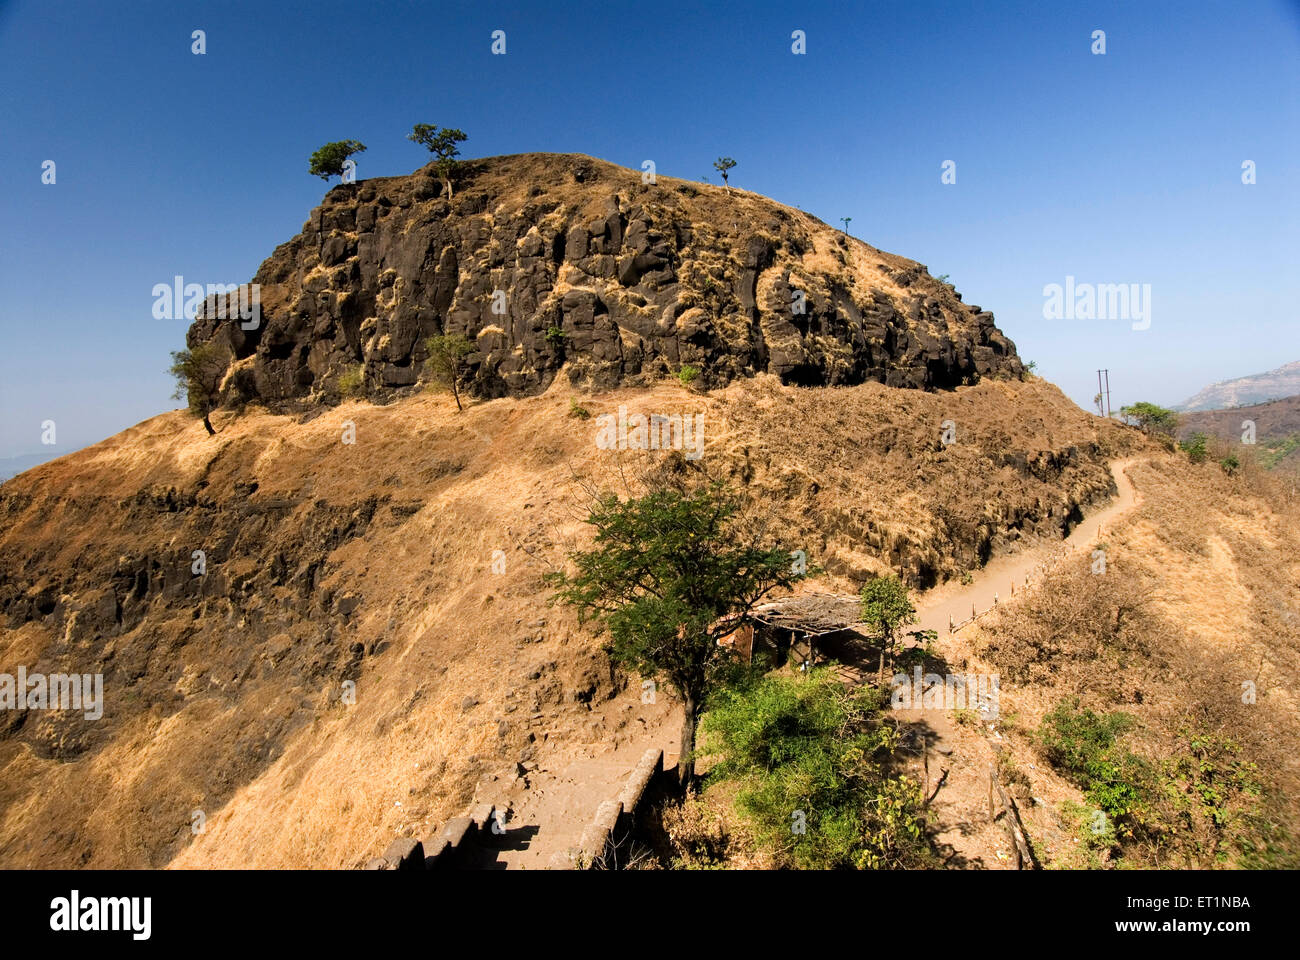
551,261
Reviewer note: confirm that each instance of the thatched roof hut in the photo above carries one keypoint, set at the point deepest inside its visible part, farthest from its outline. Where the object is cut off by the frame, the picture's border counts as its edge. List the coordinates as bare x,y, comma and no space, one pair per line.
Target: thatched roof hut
811,614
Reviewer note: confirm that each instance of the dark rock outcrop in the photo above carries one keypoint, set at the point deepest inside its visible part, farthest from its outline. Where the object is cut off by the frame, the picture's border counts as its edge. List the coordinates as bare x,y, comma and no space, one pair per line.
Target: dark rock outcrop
548,262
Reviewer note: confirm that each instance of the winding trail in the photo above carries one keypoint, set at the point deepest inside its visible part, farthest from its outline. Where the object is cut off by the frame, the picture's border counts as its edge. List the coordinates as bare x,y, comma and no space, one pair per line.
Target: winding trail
959,757
563,798
995,579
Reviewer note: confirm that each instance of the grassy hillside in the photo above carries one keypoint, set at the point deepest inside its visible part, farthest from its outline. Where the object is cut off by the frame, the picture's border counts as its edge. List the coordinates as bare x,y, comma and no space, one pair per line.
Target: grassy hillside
1277,430
371,562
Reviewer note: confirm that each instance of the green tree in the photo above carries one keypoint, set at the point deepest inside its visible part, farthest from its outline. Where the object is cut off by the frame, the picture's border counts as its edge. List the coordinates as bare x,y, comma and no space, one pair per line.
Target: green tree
668,576
1150,418
199,373
446,363
885,610
442,144
813,762
328,161
723,165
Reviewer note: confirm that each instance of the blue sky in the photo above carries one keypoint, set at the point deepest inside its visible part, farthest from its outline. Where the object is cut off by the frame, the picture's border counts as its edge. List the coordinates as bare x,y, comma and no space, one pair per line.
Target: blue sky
1119,168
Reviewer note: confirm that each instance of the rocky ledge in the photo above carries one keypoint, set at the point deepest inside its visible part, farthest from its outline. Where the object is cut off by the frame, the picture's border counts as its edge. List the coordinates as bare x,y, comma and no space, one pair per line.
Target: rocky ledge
560,262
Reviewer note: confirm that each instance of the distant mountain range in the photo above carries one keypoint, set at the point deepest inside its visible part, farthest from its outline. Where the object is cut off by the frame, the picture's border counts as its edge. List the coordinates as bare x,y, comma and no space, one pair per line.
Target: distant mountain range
12,466
1244,391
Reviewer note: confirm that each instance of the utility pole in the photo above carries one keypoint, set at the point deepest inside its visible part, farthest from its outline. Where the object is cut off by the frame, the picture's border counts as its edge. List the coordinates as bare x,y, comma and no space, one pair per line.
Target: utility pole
1104,392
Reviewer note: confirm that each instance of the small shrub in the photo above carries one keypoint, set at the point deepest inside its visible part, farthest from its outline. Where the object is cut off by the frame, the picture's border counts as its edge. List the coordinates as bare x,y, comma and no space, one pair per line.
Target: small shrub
813,762
577,411
1230,464
1084,746
687,374
1195,447
697,835
352,381
965,718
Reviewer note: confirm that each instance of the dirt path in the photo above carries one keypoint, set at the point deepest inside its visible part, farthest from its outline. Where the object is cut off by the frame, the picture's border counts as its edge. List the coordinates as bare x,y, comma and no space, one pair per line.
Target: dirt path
559,801
996,579
559,804
959,756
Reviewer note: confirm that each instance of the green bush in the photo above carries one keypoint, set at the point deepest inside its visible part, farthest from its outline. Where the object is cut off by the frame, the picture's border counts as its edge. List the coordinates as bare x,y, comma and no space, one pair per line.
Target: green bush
1274,451
813,760
1201,803
1195,447
1085,747
687,374
1151,418
577,410
352,381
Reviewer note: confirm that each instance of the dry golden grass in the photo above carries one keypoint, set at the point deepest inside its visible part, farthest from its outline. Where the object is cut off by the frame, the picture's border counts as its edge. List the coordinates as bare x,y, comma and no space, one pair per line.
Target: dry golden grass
229,702
1199,599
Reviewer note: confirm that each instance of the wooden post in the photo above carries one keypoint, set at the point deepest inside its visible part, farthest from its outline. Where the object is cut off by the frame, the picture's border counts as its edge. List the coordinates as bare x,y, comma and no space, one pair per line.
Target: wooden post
1024,856
950,624
927,770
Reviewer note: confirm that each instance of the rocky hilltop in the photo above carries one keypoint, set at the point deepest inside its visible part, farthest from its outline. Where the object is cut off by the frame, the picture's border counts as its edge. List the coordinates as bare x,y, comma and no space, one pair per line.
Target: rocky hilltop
543,260
1243,391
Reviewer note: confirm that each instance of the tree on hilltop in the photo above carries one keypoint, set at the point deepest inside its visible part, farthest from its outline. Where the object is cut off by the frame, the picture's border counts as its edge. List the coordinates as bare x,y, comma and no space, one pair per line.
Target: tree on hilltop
199,373
442,144
722,165
1150,418
330,159
446,363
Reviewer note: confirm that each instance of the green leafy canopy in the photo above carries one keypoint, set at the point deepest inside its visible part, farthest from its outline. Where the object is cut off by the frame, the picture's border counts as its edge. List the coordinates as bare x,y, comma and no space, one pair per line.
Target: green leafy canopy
328,161
664,575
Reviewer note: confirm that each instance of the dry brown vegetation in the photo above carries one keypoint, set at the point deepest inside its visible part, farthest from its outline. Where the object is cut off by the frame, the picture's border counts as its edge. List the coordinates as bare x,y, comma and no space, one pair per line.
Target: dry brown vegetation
372,563
1197,606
